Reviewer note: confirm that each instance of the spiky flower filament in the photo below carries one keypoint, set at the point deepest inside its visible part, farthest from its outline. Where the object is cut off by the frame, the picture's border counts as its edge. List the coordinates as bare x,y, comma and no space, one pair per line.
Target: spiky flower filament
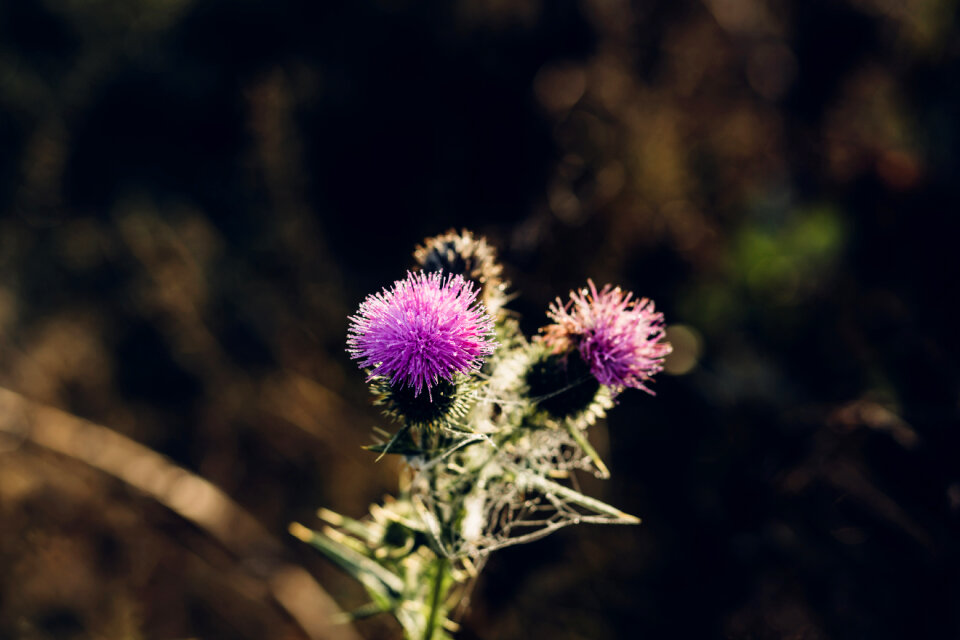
617,335
426,327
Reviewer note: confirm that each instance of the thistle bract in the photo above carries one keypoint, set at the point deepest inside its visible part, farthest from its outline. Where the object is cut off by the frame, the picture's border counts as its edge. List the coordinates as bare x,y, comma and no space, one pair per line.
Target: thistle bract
447,405
618,336
427,327
561,384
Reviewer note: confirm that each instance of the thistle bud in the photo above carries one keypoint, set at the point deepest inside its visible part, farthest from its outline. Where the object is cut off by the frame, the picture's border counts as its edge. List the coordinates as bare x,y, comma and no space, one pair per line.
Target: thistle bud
469,256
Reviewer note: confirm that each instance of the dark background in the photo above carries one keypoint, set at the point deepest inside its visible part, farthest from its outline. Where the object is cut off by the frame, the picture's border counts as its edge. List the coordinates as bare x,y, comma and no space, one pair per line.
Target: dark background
195,195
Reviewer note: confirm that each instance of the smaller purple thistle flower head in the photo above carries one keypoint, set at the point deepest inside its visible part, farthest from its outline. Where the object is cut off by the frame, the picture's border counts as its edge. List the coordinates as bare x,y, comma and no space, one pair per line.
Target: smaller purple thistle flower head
617,335
427,327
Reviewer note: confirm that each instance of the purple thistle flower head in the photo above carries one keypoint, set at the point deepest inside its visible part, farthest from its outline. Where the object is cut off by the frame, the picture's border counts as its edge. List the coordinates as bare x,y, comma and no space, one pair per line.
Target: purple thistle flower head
617,335
426,327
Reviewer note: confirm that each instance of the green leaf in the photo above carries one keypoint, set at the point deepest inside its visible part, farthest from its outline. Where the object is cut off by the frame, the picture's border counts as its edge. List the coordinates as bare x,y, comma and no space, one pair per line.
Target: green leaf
527,479
384,586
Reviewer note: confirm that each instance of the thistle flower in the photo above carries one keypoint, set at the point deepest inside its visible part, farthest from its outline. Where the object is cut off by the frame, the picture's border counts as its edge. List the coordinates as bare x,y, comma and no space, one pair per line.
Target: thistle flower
427,327
617,336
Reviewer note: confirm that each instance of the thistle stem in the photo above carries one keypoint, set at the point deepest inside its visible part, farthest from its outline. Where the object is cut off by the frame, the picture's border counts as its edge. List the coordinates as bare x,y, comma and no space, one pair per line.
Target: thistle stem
442,567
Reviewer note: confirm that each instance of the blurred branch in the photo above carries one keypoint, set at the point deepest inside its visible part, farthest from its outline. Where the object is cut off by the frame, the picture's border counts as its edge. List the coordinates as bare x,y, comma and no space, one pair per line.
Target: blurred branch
184,493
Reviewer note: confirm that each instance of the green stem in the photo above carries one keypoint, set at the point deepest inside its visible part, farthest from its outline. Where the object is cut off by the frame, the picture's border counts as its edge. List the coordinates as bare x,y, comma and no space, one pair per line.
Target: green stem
442,565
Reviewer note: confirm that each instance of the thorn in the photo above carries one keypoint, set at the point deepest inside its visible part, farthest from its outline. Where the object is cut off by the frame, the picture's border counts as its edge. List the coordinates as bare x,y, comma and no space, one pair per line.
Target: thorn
332,517
300,532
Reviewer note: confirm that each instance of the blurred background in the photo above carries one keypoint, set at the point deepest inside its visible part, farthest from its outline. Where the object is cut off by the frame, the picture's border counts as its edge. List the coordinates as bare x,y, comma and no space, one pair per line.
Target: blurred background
196,193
